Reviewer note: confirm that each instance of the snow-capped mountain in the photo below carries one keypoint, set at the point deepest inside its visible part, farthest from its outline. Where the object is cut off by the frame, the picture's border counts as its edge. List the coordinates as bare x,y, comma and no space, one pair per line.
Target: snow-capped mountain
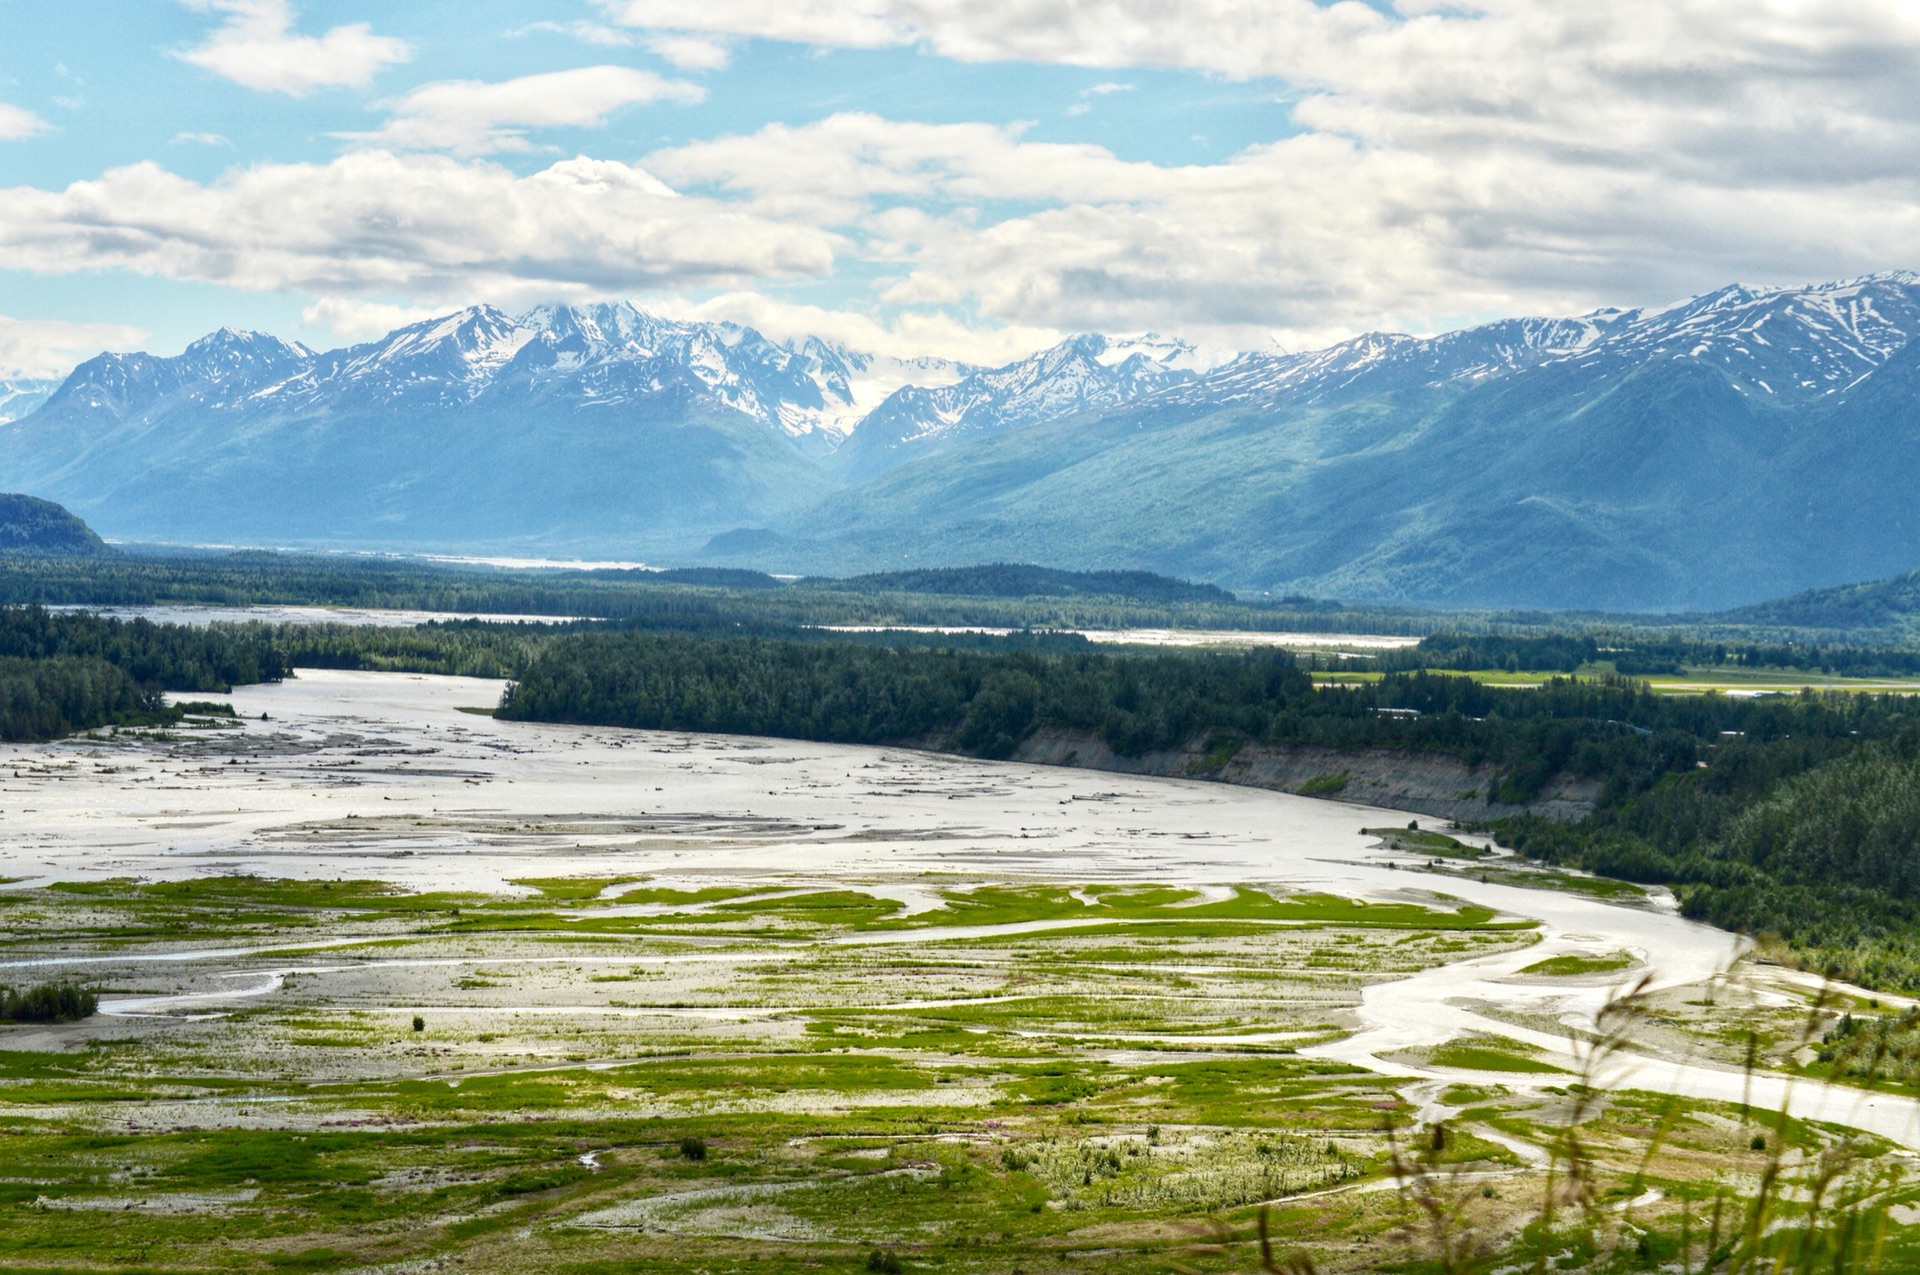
1740,445
1745,443
1799,342
22,395
1086,373
603,355
809,386
476,427
213,372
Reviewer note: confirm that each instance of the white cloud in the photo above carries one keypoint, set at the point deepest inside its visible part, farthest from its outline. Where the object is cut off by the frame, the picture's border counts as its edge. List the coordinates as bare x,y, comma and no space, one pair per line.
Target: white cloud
353,320
429,227
17,122
470,117
1790,90
201,139
690,52
256,47
1234,37
47,348
1312,44
596,33
1455,158
1308,238
909,335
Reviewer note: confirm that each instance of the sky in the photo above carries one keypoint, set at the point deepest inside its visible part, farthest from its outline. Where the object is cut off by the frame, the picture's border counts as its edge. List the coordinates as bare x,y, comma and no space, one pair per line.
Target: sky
969,178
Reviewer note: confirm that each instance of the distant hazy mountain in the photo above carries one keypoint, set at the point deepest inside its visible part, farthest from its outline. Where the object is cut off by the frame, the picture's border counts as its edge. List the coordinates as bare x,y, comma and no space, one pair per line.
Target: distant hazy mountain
19,397
1744,444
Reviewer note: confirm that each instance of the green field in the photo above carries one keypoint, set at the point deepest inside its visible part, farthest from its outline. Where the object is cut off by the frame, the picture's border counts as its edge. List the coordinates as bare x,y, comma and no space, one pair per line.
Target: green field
1699,681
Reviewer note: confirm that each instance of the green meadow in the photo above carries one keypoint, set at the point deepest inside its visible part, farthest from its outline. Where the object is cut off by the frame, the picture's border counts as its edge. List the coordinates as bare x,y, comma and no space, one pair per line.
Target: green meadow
606,1074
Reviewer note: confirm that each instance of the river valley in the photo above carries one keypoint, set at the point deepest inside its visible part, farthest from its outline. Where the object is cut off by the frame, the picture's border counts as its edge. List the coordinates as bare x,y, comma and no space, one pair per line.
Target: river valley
845,972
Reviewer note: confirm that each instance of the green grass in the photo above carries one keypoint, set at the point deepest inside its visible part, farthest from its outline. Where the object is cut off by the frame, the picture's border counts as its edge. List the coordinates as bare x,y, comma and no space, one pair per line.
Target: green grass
1469,1095
1692,681
1573,965
1422,841
1079,1096
1490,1053
572,889
684,898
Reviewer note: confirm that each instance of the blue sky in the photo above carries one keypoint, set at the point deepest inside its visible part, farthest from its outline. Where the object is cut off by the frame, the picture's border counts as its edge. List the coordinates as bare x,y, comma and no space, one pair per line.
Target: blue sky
929,175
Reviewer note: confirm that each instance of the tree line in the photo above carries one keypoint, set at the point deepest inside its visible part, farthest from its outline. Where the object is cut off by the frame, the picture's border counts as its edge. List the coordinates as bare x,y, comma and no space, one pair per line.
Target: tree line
66,672
1613,729
63,671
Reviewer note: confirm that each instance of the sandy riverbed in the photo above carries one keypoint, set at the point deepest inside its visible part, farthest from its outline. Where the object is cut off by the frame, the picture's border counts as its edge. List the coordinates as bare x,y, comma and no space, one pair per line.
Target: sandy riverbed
382,775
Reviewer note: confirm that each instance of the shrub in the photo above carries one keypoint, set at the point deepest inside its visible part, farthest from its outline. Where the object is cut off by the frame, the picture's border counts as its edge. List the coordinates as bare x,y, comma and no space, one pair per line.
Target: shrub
48,1003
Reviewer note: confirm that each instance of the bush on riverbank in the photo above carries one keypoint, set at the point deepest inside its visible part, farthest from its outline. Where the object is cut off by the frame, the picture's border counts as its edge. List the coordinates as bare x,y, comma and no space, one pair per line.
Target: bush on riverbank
48,1003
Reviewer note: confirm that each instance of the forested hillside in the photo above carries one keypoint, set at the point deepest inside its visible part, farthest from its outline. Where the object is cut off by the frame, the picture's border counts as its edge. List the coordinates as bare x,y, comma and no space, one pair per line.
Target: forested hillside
29,525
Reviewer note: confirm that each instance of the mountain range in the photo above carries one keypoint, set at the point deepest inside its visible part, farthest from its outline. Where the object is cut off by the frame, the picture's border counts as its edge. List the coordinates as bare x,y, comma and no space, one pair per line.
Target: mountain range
1743,444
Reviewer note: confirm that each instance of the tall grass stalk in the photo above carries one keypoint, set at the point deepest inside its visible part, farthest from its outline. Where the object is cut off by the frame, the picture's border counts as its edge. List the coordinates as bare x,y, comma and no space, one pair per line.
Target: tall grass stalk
1822,1212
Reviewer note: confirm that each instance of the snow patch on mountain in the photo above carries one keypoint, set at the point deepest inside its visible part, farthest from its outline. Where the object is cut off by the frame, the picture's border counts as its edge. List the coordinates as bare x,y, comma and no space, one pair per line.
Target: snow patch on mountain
1817,339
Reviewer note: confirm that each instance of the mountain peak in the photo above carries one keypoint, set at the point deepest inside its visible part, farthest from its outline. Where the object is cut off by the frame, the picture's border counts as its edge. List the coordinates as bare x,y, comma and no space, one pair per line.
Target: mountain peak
233,346
464,345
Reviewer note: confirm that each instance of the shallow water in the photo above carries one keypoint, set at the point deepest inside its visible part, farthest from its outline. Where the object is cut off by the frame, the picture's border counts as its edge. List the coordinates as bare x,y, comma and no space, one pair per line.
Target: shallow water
376,617
1336,643
201,616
